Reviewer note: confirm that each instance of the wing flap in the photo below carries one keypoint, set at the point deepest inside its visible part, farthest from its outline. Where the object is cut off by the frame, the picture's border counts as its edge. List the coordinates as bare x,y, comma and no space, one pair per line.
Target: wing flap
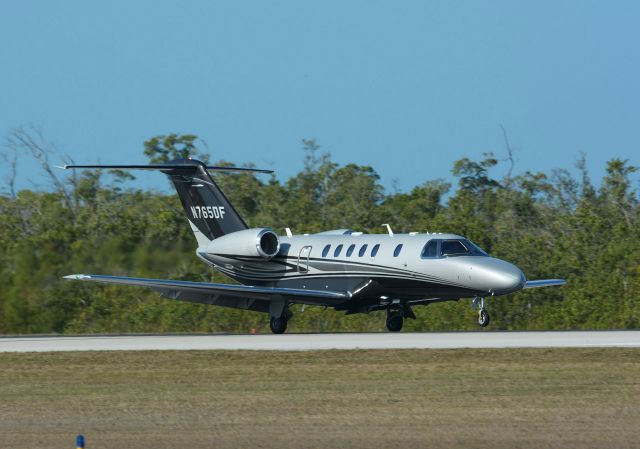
544,283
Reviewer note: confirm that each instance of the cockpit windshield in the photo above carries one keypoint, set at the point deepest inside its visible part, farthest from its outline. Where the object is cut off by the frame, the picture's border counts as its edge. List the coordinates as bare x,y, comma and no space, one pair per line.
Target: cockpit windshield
451,248
475,249
461,247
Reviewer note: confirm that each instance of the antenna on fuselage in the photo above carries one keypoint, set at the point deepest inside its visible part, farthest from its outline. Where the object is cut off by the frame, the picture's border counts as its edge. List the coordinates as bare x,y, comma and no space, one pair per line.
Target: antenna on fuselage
388,229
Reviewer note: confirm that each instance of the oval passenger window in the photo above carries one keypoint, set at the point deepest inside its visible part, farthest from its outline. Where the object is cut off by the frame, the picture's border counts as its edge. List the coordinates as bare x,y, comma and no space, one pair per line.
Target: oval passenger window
396,252
325,251
362,251
374,251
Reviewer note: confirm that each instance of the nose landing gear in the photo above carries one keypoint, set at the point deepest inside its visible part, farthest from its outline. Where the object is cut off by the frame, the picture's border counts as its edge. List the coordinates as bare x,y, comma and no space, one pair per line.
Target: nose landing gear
483,316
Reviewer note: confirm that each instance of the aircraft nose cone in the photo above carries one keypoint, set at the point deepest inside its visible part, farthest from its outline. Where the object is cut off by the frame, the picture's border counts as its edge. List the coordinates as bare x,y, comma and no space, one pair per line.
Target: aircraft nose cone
497,276
509,279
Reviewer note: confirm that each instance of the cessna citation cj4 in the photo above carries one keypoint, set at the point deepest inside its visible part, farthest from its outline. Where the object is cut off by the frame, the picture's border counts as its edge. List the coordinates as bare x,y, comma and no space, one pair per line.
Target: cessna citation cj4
343,269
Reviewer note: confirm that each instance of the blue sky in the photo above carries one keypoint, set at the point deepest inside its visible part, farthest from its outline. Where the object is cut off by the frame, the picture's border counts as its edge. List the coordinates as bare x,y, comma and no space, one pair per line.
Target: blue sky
407,87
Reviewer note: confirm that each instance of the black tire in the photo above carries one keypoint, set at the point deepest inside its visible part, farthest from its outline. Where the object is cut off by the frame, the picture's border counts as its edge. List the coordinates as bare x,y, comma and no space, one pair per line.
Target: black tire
395,322
278,325
483,318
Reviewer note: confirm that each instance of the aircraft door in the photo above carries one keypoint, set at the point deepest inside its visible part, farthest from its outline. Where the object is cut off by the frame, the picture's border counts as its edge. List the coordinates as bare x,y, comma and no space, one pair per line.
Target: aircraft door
303,259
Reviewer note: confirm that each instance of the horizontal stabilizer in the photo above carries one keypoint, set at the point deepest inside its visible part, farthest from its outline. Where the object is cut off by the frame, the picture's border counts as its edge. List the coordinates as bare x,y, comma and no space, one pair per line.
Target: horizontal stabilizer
169,166
544,283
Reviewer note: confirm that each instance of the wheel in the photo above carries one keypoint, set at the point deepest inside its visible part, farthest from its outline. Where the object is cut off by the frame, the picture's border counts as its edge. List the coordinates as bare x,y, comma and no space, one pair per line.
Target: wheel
395,322
483,318
278,325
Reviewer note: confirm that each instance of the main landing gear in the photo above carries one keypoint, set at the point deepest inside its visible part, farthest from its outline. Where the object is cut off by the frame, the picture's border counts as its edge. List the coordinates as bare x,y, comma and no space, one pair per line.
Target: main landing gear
483,316
395,320
396,313
278,324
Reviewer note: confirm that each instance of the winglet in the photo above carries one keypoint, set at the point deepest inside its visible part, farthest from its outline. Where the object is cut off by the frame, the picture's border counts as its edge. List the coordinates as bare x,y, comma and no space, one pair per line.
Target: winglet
76,277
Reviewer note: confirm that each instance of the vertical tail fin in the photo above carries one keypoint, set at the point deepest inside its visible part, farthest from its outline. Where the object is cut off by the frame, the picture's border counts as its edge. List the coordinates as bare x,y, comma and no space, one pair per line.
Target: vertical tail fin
208,210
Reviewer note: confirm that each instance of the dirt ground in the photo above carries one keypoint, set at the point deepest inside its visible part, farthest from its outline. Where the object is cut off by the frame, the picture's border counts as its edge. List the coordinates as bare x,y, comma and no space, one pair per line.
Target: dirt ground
533,398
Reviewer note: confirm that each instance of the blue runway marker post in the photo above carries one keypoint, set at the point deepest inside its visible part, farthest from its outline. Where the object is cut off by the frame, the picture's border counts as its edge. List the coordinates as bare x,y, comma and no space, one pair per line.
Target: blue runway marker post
80,442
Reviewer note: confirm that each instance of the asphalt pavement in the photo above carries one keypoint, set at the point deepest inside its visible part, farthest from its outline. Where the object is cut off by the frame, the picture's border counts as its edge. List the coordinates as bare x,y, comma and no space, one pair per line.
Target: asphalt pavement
307,342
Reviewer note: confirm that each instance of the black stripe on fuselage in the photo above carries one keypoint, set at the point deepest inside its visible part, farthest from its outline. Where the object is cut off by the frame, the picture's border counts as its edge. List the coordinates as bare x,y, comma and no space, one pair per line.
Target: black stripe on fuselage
294,267
260,274
398,282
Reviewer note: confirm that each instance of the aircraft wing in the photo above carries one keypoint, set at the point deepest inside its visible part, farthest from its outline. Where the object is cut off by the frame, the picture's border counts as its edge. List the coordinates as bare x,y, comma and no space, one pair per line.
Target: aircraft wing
544,283
229,295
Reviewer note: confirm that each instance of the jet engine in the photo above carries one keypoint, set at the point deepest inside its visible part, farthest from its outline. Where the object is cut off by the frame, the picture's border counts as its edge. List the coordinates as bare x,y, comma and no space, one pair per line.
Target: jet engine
259,242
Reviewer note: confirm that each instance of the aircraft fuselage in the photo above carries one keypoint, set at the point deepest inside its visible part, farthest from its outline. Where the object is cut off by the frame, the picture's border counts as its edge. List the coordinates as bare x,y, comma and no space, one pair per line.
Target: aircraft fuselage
396,264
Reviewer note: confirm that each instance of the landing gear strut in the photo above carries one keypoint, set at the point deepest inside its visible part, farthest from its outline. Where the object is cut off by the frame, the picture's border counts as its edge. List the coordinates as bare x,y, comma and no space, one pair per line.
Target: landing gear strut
483,316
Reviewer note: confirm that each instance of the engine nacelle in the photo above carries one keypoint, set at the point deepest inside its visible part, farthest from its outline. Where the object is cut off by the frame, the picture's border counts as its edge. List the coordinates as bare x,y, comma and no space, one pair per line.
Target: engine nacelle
260,242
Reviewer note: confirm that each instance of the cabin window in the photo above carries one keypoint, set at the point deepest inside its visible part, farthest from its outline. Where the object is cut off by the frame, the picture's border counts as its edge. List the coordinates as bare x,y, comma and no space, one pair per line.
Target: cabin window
430,249
453,248
336,253
325,251
374,250
396,252
350,250
362,251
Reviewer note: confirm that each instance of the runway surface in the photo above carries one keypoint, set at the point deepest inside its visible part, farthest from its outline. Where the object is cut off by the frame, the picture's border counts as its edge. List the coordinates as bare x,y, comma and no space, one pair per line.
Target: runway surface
306,342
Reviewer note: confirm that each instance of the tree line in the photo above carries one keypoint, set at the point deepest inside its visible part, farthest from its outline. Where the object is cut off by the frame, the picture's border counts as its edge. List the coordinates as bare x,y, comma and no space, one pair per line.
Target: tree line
556,224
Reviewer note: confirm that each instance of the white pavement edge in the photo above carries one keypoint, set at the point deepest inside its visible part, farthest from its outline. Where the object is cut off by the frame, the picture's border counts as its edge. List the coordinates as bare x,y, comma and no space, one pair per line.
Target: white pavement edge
307,342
